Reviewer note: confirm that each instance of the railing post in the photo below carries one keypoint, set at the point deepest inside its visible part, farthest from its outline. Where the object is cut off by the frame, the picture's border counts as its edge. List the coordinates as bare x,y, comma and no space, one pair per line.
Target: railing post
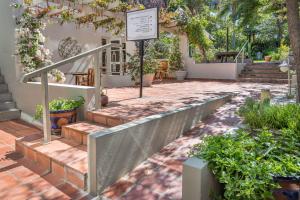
46,112
108,67
243,55
98,89
121,59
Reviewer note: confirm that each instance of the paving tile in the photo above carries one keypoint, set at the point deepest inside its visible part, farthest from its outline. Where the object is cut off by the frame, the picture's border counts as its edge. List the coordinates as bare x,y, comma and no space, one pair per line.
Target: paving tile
71,191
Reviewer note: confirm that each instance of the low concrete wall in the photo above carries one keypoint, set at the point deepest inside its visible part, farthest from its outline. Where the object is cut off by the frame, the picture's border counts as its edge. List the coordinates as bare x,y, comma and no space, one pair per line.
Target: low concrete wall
220,71
33,89
118,150
198,183
115,81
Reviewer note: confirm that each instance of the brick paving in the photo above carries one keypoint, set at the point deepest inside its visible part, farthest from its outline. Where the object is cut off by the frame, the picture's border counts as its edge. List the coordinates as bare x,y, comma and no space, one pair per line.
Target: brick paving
125,104
160,176
22,179
157,178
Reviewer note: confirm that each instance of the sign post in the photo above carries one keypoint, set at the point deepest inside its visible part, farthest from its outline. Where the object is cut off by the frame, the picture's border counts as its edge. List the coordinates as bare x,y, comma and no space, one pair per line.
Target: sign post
140,26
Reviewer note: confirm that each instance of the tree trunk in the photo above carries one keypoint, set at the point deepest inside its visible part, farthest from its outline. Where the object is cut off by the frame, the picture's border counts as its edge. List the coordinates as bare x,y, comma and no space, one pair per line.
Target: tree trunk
294,32
203,52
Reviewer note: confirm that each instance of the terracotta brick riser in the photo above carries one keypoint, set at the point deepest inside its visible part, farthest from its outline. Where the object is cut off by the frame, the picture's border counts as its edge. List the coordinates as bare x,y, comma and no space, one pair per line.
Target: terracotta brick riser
263,73
73,171
66,156
106,120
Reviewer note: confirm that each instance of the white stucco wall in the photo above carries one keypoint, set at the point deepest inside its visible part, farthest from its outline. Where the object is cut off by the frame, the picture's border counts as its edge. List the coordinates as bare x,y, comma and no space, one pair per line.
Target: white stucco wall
27,96
87,39
222,71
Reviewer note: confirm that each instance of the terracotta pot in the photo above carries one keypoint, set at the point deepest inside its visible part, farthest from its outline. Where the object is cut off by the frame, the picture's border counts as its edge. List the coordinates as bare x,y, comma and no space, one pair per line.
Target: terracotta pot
181,75
268,58
290,188
61,118
148,80
104,100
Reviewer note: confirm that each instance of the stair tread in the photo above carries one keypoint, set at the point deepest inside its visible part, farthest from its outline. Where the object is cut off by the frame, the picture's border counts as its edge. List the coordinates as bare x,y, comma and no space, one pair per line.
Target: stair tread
86,127
63,151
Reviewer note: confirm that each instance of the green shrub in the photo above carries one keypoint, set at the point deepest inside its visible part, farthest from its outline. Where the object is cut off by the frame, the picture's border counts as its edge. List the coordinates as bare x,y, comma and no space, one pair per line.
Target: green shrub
263,115
60,105
150,66
245,163
175,57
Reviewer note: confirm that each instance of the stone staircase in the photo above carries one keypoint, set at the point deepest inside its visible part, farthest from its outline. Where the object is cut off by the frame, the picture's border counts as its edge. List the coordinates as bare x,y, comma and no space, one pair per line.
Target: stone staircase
8,110
263,73
66,156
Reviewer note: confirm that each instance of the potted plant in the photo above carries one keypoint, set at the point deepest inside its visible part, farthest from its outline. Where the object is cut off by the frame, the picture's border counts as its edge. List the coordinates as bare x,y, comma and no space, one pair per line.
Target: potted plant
175,60
268,58
104,98
62,112
149,69
160,50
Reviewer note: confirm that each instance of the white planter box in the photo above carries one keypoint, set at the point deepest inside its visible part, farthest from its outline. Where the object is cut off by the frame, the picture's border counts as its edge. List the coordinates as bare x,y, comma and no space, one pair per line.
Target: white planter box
198,183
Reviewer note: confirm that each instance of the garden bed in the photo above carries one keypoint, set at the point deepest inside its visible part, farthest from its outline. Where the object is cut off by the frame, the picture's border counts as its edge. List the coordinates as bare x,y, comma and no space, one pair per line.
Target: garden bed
246,162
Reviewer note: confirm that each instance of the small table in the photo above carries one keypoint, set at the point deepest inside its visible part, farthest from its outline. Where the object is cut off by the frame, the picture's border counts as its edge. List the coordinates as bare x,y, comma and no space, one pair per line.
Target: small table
78,76
222,55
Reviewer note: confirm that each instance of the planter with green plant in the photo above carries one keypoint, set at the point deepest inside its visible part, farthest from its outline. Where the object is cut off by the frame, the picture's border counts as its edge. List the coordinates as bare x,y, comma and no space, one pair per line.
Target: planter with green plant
62,112
248,161
150,67
175,60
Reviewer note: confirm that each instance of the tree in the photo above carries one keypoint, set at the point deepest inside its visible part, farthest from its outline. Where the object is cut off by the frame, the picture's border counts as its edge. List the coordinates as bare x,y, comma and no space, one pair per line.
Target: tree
294,31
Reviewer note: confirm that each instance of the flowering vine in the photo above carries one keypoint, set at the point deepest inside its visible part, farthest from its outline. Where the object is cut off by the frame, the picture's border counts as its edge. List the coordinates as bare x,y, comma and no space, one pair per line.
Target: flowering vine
30,45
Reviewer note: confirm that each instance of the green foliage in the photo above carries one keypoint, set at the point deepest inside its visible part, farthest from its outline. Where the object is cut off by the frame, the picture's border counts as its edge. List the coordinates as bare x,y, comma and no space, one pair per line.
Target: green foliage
175,58
150,66
160,48
245,163
281,53
263,115
195,29
60,105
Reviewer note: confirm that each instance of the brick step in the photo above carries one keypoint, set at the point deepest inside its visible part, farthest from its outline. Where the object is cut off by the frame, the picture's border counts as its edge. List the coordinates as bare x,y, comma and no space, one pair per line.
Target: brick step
263,80
78,132
263,70
3,88
106,119
61,156
268,69
7,105
272,76
5,97
10,114
2,80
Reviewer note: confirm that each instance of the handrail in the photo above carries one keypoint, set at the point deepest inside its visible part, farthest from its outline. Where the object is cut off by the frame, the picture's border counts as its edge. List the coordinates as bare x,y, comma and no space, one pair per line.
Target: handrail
241,51
43,72
25,78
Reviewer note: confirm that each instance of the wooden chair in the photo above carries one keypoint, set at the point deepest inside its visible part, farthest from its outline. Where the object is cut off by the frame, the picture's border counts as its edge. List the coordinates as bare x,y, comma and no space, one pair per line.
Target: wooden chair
163,70
88,79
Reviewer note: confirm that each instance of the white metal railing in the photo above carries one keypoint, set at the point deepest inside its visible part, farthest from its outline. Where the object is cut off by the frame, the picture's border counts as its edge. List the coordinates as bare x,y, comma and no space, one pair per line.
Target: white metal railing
43,72
241,52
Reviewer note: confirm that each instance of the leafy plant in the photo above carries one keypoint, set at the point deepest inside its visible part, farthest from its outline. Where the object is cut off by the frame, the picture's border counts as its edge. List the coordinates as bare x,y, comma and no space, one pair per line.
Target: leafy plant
245,163
60,104
158,49
175,58
263,115
150,66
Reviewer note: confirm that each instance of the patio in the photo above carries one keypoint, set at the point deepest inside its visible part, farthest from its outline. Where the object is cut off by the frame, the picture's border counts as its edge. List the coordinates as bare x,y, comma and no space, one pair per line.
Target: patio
161,172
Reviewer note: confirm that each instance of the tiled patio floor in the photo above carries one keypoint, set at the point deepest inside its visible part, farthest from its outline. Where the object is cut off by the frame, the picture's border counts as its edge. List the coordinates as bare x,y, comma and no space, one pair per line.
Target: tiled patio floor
125,104
157,178
160,177
21,179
